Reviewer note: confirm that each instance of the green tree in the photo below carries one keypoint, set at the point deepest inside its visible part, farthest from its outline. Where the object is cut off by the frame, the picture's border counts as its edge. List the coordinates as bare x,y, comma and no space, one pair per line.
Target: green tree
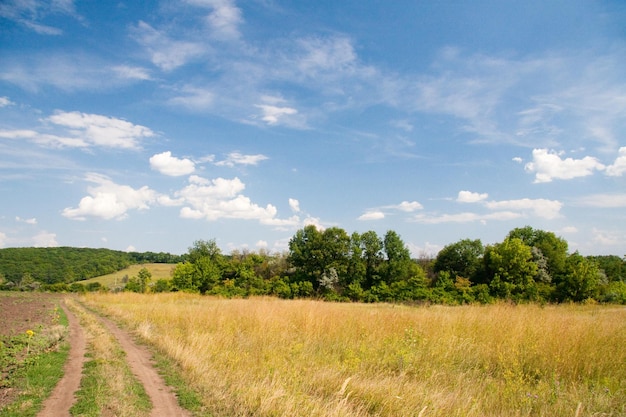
462,259
398,263
144,276
553,248
373,257
511,270
580,280
314,253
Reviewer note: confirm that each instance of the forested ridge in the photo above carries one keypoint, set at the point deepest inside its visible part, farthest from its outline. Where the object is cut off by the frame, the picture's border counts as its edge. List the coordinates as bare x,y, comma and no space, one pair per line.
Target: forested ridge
25,266
529,265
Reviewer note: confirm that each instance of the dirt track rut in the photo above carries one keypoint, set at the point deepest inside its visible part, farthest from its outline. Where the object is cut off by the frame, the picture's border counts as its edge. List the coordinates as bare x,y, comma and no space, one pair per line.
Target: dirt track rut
164,402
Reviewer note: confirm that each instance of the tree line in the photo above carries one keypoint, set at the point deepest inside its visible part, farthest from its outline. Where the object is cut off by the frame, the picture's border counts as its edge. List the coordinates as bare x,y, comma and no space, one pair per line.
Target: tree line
529,265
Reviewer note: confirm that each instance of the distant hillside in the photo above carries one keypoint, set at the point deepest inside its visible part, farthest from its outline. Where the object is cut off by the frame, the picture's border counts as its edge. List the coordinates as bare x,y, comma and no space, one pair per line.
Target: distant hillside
69,264
116,279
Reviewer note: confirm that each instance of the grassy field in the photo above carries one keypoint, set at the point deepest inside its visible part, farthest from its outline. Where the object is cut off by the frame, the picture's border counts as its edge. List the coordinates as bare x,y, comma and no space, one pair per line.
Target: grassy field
270,357
158,271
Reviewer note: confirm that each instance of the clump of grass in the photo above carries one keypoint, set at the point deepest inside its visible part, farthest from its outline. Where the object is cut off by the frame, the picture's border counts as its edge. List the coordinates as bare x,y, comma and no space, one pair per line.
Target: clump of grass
108,386
268,357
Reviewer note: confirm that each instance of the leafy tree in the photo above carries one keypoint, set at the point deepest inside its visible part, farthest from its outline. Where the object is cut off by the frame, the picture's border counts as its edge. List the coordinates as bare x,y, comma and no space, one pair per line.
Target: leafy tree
162,285
553,248
372,252
314,253
399,266
580,280
510,269
143,276
462,259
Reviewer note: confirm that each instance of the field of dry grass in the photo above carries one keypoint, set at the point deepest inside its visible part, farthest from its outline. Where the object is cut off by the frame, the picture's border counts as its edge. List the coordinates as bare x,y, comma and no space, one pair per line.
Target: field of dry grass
158,271
270,357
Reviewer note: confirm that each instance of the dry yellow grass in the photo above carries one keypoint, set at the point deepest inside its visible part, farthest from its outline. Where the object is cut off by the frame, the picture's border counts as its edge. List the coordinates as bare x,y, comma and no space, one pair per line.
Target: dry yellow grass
269,357
158,271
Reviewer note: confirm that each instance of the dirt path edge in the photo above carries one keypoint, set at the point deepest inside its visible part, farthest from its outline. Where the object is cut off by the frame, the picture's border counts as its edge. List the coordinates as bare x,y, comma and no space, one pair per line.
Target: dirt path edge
62,398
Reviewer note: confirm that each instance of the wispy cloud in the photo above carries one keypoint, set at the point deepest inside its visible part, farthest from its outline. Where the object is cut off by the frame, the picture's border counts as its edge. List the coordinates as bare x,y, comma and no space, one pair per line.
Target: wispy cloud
237,158
380,213
30,13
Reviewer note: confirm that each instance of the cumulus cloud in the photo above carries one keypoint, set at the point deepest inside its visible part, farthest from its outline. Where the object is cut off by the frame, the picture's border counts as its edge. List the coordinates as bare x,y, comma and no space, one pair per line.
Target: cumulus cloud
407,206
3,239
295,205
167,164
236,158
548,165
471,197
372,215
220,198
108,200
619,166
132,73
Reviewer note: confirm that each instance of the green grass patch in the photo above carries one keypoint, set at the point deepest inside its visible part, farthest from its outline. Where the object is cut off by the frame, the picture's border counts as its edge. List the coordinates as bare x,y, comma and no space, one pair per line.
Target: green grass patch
33,364
173,376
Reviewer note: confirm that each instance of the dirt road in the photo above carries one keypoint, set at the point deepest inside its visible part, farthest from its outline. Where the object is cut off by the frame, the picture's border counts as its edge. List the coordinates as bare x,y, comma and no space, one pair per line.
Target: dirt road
164,402
62,397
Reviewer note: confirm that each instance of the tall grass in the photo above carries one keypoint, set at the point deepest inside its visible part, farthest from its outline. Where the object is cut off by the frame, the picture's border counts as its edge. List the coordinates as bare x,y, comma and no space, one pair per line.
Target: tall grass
269,357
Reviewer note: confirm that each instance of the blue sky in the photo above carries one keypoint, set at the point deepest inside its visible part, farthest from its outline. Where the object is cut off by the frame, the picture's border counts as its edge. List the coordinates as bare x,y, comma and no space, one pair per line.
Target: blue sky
149,125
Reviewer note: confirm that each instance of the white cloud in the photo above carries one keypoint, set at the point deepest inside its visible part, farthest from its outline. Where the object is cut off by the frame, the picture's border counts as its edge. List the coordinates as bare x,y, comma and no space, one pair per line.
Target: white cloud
408,206
28,13
167,164
547,209
4,102
518,160
3,239
220,198
261,244
100,130
108,200
132,73
273,114
236,158
465,217
164,52
607,238
471,197
295,205
615,200
45,240
27,221
548,165
619,166
372,215
194,98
